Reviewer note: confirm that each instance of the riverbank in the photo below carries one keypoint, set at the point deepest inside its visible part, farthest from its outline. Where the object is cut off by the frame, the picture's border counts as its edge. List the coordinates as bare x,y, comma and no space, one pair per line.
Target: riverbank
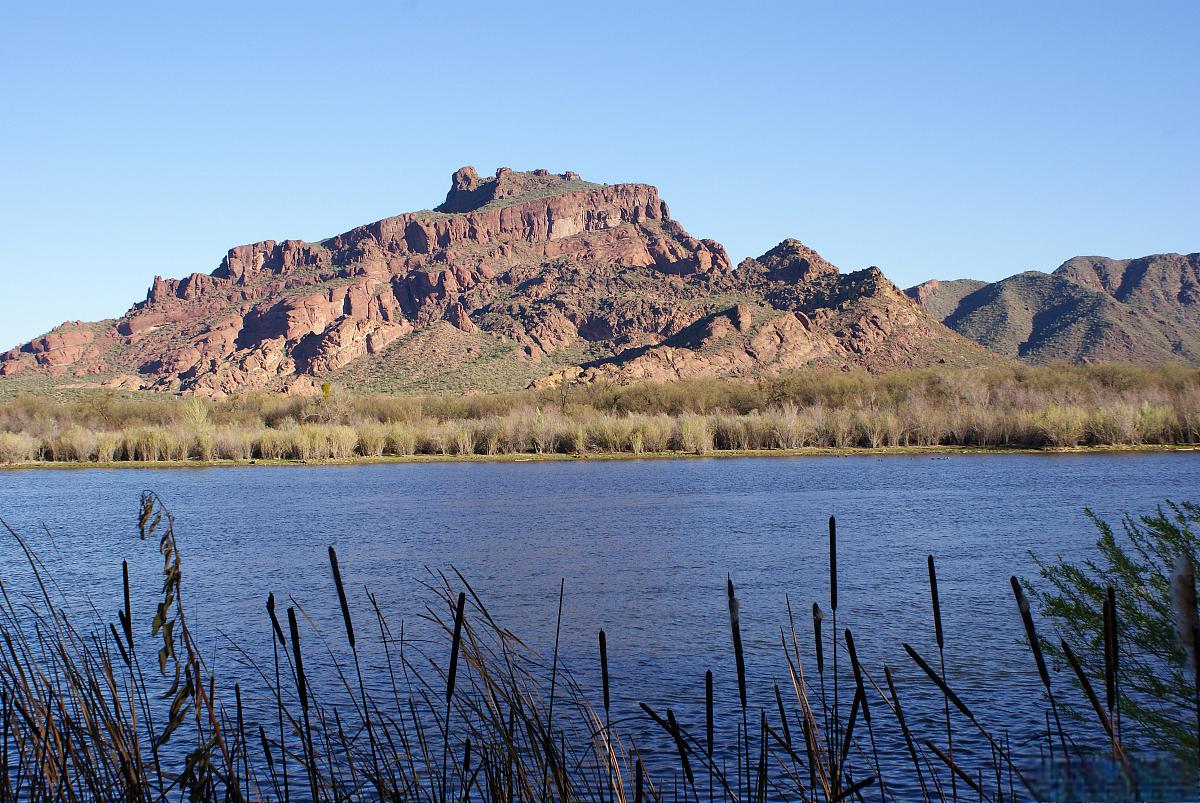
882,451
807,412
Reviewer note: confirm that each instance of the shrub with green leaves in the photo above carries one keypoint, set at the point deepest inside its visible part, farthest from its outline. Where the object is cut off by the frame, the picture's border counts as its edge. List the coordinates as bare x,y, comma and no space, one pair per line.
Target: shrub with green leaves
1155,682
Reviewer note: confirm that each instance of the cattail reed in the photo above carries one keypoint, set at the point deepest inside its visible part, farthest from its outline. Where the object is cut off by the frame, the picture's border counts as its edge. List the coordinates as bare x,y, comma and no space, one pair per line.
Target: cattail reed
955,769
837,722
954,698
941,645
761,791
1086,685
466,771
362,689
787,731
1187,624
269,756
276,643
819,617
908,738
493,707
455,645
126,621
833,564
681,746
310,757
708,727
562,587
451,675
607,705
341,592
736,630
1111,663
808,751
740,659
848,735
862,693
855,788
1036,646
604,669
241,731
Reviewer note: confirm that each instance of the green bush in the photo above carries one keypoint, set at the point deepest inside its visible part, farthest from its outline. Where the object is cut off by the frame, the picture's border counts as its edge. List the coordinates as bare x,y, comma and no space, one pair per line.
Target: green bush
1157,699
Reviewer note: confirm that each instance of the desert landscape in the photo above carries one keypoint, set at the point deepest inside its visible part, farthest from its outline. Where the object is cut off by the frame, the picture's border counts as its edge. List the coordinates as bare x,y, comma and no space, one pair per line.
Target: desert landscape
676,403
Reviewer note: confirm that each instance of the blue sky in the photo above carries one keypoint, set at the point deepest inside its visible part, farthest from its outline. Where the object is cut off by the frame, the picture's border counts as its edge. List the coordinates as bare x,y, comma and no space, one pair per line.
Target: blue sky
932,140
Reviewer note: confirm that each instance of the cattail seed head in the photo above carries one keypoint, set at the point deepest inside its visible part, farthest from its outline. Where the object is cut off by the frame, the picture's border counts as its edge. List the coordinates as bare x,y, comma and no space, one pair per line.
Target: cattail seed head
1030,631
604,667
832,563
708,712
1183,608
454,645
818,617
301,681
937,606
735,627
341,591
1110,649
858,677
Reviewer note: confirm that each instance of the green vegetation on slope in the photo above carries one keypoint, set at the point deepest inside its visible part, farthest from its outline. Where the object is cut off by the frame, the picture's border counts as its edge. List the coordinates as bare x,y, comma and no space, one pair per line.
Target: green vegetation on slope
1090,309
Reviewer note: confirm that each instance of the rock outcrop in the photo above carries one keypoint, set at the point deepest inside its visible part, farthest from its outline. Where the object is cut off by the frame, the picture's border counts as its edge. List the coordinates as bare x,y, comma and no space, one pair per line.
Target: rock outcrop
518,277
1091,309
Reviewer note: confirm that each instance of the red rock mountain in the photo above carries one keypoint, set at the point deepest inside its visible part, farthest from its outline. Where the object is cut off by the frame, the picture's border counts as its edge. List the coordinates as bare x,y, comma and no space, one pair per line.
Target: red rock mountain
518,278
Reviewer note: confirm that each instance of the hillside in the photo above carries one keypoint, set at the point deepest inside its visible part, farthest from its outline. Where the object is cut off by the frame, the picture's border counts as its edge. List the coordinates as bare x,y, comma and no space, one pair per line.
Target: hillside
1091,309
517,278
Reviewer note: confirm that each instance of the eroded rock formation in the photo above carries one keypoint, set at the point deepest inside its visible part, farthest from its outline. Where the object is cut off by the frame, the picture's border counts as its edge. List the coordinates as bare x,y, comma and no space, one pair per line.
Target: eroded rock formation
517,277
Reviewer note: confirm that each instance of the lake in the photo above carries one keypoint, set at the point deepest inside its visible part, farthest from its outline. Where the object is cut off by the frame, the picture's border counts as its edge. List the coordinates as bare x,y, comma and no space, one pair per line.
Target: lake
644,548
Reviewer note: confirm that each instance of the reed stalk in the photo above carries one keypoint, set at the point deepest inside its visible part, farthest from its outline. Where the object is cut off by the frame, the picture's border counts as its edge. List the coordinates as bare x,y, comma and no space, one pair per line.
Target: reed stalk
310,757
941,645
451,677
1187,627
740,660
837,722
362,689
1111,661
1035,645
708,727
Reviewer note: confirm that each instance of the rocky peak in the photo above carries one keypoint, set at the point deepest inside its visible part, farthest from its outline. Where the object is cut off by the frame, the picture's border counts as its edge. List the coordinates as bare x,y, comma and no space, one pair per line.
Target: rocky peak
469,192
1095,273
1148,281
535,270
790,261
922,292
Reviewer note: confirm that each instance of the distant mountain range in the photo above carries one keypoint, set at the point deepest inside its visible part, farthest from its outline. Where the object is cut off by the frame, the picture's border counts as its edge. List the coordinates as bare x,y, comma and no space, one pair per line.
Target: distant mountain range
1090,309
536,278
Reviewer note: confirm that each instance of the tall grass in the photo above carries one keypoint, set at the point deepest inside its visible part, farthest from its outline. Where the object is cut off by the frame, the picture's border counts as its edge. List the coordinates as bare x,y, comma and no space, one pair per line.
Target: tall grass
88,712
1048,407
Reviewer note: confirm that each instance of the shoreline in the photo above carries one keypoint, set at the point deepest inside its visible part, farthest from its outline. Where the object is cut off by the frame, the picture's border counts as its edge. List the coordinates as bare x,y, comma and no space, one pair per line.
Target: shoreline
722,454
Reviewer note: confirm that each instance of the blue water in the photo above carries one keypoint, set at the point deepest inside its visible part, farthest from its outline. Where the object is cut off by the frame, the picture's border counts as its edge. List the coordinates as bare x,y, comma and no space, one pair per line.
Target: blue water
644,548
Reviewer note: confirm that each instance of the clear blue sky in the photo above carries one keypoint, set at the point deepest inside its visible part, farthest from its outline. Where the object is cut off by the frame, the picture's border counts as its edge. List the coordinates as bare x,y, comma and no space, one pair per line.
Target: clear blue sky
932,140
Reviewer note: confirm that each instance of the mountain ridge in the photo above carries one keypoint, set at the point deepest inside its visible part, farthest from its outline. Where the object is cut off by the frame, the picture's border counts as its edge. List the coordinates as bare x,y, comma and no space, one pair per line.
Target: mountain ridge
1089,309
526,275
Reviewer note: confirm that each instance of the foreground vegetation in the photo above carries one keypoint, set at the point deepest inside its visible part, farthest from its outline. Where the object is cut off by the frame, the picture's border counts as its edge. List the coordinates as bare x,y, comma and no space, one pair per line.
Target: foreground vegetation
1019,407
1140,577
91,711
